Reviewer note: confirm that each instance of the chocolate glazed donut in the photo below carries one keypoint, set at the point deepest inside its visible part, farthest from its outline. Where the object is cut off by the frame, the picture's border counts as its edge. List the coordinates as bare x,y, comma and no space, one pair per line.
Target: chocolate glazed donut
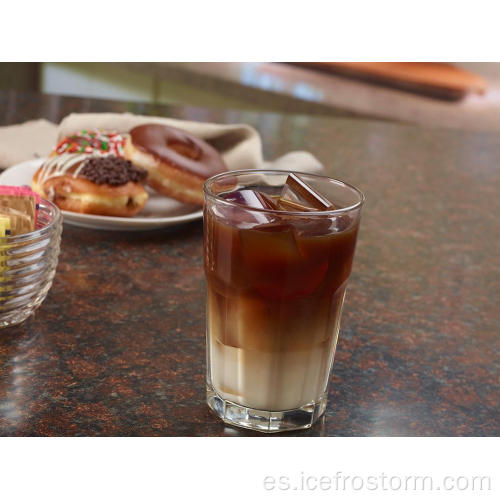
178,163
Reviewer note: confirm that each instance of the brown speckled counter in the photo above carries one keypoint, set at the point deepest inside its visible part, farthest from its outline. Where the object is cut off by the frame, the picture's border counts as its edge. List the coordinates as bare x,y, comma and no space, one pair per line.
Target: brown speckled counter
118,346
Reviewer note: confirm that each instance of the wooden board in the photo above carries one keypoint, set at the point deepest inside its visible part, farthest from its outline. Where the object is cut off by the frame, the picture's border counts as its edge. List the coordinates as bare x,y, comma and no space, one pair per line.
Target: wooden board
441,80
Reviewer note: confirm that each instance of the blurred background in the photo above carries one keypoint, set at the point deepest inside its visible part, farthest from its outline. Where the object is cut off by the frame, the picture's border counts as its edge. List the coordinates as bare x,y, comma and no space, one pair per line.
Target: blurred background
457,95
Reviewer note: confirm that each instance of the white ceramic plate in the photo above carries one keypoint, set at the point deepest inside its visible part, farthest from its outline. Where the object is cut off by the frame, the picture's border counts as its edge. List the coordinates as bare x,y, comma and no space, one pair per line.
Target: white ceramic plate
159,211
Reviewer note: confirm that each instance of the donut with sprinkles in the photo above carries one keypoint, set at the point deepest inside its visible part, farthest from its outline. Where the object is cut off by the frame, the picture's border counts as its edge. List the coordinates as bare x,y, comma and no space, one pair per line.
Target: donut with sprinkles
92,142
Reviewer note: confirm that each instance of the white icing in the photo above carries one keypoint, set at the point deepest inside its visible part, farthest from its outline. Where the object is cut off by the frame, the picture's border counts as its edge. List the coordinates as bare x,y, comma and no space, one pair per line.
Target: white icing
57,166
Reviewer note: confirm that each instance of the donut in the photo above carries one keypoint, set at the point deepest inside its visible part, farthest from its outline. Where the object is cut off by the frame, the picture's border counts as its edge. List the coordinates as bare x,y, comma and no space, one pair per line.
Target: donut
91,142
92,184
177,163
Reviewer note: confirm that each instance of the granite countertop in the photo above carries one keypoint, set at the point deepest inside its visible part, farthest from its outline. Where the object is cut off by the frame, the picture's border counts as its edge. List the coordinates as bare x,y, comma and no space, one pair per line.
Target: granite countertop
118,346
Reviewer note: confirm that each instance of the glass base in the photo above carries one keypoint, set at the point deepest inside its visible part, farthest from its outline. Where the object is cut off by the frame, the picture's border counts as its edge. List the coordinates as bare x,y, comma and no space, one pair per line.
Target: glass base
16,317
265,421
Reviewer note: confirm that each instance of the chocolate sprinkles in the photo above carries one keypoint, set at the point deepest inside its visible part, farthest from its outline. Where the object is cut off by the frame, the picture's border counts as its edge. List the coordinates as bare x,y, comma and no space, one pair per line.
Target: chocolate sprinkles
111,170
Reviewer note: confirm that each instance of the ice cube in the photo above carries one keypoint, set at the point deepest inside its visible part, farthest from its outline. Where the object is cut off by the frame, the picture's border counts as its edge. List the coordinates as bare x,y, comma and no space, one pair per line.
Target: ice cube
312,226
242,321
342,222
276,267
268,247
300,196
250,199
293,206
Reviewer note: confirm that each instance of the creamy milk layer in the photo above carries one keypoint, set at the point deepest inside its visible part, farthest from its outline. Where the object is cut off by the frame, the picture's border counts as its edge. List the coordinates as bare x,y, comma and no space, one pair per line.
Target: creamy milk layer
274,364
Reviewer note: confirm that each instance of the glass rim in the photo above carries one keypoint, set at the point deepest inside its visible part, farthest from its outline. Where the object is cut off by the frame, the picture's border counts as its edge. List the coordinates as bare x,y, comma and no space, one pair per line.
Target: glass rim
210,194
37,232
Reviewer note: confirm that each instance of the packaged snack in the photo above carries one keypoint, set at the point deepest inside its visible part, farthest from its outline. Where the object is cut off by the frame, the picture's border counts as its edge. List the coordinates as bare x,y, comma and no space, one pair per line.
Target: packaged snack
20,204
4,226
20,222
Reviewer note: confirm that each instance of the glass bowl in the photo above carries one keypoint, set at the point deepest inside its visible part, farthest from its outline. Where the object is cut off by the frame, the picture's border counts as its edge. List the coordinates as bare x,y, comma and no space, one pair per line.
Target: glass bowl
27,266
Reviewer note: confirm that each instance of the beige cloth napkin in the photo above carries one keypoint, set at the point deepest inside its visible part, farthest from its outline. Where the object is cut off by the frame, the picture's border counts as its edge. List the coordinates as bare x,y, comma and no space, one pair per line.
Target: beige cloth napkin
239,145
26,141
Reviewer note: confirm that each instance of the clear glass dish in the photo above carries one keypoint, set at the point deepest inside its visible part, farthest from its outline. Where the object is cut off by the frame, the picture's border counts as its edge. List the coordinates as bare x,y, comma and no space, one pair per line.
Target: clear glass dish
27,266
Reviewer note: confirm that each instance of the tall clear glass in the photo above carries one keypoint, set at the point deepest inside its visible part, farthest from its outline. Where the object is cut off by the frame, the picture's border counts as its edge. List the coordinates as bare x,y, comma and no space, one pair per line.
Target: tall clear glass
276,283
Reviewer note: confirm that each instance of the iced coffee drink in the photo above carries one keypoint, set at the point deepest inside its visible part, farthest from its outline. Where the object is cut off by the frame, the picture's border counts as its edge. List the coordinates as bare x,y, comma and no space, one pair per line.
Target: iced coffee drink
278,253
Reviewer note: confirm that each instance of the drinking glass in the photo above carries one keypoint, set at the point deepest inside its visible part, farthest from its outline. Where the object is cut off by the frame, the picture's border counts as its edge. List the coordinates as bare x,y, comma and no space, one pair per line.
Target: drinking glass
276,282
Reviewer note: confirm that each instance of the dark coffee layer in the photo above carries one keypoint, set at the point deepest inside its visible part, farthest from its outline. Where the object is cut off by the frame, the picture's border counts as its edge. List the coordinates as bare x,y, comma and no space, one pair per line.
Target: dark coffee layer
277,286
112,170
